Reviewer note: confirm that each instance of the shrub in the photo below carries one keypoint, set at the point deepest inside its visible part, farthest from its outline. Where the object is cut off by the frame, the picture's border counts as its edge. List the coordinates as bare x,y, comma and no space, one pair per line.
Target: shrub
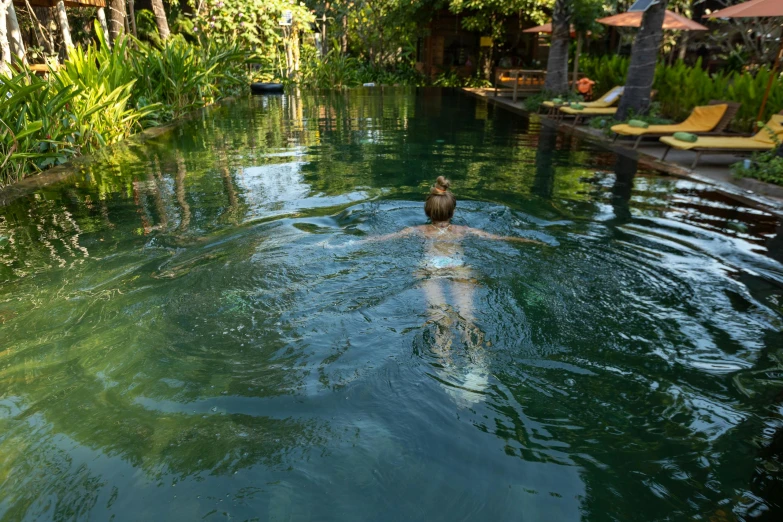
102,96
764,166
681,87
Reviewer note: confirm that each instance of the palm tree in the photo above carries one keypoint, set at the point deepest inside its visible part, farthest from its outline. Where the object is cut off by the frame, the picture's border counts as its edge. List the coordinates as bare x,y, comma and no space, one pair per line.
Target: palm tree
160,18
557,65
116,18
644,56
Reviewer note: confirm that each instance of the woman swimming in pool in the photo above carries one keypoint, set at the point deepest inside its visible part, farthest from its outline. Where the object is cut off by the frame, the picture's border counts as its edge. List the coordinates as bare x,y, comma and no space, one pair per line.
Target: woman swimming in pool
444,272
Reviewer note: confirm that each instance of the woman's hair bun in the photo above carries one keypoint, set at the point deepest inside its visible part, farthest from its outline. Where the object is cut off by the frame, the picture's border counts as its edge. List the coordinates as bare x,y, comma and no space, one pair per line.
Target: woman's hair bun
442,183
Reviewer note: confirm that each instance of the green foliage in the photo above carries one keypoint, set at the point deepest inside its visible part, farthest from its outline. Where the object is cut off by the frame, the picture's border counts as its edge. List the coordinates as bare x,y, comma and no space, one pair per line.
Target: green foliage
450,78
382,32
339,71
184,77
533,103
147,27
34,125
764,166
102,96
681,87
488,16
251,24
334,71
105,80
605,71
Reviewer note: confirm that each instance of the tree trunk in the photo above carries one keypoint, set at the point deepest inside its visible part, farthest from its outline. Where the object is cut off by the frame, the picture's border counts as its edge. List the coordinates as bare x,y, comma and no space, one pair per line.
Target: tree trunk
104,26
344,38
576,59
15,35
62,18
160,19
289,57
324,39
295,35
44,25
644,55
557,66
486,62
5,46
132,17
683,45
116,18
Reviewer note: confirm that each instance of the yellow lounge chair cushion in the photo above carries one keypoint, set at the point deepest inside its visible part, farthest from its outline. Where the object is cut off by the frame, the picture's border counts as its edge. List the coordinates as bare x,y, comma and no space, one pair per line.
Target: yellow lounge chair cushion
702,119
590,111
717,143
776,125
761,141
607,100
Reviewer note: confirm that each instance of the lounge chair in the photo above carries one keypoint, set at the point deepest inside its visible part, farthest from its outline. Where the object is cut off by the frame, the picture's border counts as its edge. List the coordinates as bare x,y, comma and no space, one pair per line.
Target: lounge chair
759,142
607,100
587,111
704,121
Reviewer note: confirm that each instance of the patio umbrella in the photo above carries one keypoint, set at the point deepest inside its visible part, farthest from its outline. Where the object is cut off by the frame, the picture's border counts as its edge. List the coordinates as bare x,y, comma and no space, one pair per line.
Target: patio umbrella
757,9
752,9
672,21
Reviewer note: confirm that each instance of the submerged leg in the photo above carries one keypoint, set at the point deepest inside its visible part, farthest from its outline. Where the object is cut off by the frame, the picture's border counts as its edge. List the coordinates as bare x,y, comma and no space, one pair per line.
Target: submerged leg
462,292
476,373
436,308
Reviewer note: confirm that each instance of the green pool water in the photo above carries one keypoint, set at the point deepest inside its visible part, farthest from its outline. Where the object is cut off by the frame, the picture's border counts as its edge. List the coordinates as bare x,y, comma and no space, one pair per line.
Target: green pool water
191,328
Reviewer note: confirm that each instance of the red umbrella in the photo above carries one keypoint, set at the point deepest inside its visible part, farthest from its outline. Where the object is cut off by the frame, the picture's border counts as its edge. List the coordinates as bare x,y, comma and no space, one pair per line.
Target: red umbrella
752,9
756,9
671,21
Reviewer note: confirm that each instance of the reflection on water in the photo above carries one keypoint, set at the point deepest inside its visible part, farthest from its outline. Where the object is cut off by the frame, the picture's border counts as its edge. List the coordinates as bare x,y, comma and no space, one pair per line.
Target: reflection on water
191,328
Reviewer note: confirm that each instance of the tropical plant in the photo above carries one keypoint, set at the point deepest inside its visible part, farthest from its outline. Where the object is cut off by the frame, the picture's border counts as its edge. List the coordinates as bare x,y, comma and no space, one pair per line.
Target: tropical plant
35,130
680,87
764,166
184,77
605,71
334,71
103,95
106,79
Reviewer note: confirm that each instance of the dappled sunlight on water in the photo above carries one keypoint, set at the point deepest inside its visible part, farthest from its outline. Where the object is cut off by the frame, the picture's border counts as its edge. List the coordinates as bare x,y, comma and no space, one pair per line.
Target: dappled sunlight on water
193,328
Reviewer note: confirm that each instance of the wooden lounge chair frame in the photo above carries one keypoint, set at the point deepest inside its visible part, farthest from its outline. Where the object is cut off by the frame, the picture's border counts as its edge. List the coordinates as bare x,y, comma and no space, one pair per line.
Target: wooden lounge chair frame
718,130
711,150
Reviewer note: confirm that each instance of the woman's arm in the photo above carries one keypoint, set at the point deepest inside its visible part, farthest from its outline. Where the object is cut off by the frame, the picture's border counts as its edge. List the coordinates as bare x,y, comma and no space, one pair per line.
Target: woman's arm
394,235
352,242
487,235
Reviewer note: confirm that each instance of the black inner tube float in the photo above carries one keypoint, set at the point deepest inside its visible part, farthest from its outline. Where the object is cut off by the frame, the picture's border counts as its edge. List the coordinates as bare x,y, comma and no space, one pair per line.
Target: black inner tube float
266,88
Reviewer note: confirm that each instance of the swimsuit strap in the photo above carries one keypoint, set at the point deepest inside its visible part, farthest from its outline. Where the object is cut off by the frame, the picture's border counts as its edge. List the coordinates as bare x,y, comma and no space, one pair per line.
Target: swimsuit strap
442,230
